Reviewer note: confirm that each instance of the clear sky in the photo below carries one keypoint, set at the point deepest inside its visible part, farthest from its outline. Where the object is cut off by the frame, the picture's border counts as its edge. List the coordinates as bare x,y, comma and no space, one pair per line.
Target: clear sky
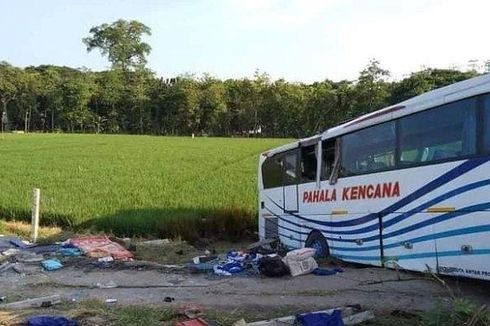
299,40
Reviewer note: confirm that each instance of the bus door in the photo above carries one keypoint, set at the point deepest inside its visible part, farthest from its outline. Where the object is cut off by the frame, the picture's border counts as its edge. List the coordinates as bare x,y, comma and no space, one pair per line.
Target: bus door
290,166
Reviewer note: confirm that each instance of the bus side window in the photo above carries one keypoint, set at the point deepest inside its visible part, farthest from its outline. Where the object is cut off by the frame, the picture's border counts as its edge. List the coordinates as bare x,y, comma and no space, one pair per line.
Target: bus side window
328,157
447,132
272,172
290,168
308,163
486,123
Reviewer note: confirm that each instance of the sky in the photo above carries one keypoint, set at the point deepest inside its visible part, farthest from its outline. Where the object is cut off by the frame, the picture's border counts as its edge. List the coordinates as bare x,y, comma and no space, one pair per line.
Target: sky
299,40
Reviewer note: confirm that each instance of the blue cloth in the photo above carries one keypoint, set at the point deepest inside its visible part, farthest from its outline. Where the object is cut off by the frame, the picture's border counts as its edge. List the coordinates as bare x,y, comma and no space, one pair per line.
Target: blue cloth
327,271
51,264
72,252
45,249
321,319
50,321
18,243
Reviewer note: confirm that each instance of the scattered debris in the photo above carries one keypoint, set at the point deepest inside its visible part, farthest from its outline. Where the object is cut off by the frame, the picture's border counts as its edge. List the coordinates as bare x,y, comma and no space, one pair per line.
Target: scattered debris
192,322
335,317
51,264
168,299
105,259
322,271
110,300
70,252
158,242
101,246
33,303
273,267
203,259
321,318
50,321
108,285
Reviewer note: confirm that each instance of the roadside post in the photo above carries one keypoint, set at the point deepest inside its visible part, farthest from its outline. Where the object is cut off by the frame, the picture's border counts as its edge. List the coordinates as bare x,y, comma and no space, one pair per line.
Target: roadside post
36,196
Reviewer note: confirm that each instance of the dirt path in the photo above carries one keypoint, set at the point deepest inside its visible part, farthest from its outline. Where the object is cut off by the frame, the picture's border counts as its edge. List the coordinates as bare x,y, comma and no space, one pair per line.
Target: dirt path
372,288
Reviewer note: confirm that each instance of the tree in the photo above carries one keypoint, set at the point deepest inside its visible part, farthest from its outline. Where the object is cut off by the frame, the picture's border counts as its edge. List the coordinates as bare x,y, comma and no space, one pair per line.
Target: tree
121,42
371,90
77,90
10,83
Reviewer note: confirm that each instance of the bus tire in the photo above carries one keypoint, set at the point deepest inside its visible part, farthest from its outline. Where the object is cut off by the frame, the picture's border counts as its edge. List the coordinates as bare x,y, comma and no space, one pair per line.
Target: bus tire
317,240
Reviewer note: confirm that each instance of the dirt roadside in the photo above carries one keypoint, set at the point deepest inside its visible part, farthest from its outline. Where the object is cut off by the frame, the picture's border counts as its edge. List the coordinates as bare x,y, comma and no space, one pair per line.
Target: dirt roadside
373,288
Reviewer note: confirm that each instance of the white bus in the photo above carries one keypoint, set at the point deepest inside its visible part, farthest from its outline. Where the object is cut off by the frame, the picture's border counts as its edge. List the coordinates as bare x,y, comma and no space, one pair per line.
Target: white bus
407,186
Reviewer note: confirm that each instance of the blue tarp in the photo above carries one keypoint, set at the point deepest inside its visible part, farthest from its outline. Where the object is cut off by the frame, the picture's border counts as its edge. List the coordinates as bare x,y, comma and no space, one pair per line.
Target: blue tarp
50,321
321,319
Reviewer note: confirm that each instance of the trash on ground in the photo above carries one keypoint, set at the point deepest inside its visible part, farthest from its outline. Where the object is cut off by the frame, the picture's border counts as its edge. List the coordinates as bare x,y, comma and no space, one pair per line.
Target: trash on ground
108,285
168,299
110,300
50,321
203,259
299,265
34,303
192,322
322,271
105,259
51,264
158,242
191,311
101,246
273,266
321,318
332,317
70,252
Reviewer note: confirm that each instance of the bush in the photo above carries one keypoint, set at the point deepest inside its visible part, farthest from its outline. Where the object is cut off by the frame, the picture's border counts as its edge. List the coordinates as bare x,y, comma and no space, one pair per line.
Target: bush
459,312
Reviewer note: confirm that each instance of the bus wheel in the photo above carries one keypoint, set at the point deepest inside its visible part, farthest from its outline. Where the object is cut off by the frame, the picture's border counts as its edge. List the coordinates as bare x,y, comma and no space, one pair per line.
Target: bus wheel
317,240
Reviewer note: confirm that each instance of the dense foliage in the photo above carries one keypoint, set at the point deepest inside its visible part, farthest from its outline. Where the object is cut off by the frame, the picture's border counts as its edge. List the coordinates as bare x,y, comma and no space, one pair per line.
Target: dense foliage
129,98
51,98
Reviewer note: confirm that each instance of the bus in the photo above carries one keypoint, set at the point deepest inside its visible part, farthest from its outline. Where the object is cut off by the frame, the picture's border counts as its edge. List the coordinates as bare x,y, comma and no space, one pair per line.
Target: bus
405,187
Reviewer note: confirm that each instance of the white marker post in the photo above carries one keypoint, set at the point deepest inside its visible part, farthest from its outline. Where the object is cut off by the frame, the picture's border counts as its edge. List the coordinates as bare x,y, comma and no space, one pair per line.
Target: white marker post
36,196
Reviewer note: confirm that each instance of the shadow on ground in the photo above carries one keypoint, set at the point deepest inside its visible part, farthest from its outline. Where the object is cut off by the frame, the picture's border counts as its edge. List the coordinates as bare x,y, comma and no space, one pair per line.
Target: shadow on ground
190,224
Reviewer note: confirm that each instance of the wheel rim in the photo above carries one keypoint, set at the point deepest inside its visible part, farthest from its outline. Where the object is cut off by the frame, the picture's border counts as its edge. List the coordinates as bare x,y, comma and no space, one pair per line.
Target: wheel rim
320,250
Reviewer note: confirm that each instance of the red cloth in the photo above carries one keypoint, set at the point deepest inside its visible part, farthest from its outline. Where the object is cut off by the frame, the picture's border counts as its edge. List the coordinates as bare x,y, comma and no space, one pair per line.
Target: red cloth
192,322
100,246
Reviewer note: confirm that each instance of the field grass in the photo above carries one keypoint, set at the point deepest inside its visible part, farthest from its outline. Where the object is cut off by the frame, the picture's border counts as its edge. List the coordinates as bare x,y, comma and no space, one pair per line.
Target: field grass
133,185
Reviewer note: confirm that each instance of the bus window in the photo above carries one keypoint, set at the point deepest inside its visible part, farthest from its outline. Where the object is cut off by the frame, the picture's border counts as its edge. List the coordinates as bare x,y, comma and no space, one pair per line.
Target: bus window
272,172
328,157
368,150
447,132
308,163
486,123
290,168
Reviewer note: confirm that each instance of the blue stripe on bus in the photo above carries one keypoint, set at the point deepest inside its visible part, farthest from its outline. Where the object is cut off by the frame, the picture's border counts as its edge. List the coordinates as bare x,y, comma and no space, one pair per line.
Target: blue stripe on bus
440,235
413,227
404,216
443,179
449,253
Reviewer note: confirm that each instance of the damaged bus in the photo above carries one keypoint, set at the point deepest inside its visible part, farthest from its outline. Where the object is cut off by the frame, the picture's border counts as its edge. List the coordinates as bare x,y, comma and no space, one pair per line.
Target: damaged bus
406,186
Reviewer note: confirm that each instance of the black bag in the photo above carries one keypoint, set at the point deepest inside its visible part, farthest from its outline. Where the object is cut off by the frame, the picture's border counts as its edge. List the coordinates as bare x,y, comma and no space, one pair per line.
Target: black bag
273,267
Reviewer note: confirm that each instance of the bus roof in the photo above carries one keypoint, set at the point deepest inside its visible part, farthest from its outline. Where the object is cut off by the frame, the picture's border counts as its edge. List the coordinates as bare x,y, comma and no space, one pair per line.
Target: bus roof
295,144
450,93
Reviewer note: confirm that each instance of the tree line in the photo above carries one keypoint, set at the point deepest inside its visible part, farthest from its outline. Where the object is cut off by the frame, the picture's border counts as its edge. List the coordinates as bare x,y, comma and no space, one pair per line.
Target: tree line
129,98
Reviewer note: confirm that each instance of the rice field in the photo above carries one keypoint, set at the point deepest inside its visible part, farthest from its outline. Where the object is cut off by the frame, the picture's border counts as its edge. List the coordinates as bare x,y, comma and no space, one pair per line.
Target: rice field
133,185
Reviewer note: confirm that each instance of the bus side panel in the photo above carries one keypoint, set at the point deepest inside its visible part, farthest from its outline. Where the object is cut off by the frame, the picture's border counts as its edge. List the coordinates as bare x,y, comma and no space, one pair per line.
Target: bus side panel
355,248
465,251
401,251
277,222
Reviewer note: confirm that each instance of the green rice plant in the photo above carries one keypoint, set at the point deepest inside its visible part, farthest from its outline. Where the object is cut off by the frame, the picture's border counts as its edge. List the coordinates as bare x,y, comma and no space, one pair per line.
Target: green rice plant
134,185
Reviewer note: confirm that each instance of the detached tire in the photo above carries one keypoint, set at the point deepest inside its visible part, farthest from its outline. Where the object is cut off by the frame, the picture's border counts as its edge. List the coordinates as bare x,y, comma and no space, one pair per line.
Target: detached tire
317,240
